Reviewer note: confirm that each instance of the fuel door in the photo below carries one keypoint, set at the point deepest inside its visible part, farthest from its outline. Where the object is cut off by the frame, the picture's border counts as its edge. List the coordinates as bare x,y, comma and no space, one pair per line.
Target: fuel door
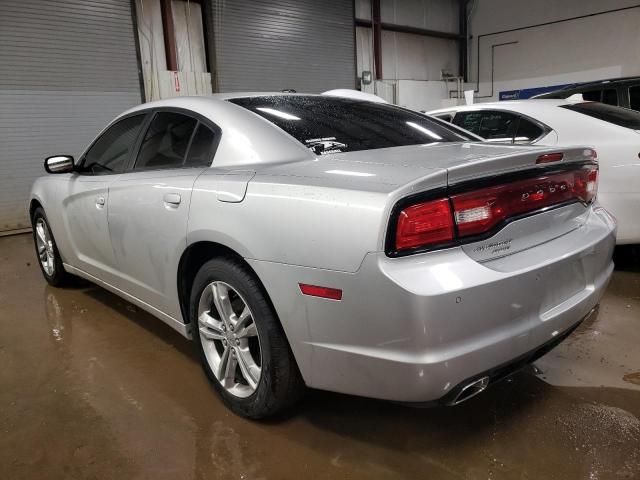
231,187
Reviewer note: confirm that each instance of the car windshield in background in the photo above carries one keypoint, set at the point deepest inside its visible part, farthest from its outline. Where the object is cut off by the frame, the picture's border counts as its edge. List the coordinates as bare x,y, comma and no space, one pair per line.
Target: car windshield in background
332,125
616,115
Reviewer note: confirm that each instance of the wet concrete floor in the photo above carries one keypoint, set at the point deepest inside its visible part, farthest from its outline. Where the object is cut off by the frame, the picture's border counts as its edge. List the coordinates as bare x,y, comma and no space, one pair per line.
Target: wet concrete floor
92,387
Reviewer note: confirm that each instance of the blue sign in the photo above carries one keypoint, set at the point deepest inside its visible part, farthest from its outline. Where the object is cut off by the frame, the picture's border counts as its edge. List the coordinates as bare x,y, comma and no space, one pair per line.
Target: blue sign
530,92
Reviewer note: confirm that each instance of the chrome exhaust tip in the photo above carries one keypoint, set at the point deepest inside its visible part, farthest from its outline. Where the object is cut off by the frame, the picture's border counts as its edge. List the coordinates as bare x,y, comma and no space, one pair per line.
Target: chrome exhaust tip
471,390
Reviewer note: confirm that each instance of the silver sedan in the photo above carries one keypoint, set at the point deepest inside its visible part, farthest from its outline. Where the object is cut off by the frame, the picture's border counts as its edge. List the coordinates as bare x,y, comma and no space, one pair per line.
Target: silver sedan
335,243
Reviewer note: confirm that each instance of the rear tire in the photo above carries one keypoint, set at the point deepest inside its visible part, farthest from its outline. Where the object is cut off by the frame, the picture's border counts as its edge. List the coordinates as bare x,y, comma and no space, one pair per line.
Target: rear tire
244,352
47,252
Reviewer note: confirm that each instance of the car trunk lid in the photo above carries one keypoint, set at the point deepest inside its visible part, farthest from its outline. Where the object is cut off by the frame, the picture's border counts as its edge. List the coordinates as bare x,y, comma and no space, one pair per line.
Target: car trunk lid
505,200
402,176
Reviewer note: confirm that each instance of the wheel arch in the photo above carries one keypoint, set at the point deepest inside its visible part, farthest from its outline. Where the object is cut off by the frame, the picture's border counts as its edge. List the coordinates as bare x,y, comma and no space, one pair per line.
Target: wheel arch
34,203
196,255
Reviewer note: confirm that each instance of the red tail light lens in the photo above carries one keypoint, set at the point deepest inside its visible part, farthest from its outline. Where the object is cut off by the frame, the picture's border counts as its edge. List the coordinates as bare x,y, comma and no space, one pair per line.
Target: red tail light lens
425,224
479,211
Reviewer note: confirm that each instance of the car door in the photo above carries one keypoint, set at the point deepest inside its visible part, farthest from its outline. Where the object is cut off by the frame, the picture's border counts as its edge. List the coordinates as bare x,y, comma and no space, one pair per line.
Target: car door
149,206
85,198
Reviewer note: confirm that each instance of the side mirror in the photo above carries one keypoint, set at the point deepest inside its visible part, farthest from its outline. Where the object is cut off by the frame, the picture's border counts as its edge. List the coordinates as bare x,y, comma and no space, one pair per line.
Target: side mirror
59,164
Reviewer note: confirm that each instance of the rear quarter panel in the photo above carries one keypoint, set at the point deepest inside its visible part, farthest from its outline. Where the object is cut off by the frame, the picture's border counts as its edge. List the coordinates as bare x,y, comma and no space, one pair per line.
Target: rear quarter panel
296,224
618,152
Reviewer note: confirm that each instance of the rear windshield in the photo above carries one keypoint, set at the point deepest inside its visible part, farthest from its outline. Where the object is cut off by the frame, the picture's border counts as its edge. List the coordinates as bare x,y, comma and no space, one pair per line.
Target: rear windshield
616,115
332,125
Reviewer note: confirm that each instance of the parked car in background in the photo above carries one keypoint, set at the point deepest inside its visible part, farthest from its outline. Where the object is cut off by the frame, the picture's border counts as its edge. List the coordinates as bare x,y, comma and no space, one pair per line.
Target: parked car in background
613,132
621,92
341,244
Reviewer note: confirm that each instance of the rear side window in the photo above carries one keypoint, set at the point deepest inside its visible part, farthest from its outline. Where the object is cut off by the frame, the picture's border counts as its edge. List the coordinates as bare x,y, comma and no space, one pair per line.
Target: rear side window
331,125
527,131
467,135
447,117
610,96
110,152
592,95
201,149
489,124
469,121
634,98
166,141
622,117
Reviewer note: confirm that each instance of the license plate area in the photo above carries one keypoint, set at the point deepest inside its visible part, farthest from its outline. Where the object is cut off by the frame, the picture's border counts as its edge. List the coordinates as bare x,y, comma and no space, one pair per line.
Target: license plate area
561,282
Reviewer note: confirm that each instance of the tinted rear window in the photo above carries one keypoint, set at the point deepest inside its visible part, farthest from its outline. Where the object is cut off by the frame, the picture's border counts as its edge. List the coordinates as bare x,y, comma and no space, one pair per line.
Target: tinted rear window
331,125
616,115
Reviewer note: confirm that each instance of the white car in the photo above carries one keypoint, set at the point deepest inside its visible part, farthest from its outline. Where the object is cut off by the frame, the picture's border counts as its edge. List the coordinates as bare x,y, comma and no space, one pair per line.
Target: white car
613,132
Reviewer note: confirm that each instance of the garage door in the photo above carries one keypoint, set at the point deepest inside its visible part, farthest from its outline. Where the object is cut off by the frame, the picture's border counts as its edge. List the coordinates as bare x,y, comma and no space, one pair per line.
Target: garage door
307,45
67,67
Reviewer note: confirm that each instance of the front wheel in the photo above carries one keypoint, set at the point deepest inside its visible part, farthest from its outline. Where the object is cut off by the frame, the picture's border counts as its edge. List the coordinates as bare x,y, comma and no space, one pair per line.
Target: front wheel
241,344
48,255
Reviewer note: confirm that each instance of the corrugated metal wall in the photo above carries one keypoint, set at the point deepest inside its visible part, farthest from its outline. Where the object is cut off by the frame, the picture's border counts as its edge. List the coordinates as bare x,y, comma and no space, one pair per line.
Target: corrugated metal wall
262,45
67,67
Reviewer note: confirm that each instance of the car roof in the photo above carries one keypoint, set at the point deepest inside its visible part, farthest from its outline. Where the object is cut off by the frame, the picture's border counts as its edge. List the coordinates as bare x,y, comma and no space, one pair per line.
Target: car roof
579,87
189,101
248,138
523,106
596,83
547,111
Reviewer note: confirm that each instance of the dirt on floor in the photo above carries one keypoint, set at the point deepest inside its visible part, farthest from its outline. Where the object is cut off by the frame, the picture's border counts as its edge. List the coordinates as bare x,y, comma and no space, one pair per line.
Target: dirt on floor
92,387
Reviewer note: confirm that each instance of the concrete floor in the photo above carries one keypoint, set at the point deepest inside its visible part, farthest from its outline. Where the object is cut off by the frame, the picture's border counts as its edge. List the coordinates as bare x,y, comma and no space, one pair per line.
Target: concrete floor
91,387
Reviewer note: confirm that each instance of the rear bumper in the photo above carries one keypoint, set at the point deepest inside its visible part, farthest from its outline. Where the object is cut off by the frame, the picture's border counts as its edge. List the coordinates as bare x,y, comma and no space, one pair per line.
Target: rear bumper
507,369
413,329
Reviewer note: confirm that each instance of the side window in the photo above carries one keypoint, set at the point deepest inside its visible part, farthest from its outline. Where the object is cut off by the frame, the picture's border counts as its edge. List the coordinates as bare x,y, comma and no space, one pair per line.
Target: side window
201,147
166,141
109,154
634,98
447,117
498,126
491,125
610,96
592,95
527,131
468,120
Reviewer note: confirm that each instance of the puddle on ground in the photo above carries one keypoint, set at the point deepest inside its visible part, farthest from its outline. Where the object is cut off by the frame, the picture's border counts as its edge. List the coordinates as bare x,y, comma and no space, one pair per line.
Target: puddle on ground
632,378
94,388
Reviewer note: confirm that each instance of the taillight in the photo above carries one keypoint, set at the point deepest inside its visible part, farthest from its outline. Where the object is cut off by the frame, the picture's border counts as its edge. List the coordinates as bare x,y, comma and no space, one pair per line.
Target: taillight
591,189
425,224
478,212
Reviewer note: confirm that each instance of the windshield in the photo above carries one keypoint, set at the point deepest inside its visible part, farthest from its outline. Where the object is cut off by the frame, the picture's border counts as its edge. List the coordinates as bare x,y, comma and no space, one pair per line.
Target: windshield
622,117
331,125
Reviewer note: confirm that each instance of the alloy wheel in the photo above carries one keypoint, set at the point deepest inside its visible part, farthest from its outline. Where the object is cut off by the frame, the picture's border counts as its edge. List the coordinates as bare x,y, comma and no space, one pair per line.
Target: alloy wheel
45,247
230,339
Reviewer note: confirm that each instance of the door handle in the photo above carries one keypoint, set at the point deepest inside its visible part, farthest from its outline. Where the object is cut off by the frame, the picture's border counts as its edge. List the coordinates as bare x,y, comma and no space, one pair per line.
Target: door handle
100,201
172,198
